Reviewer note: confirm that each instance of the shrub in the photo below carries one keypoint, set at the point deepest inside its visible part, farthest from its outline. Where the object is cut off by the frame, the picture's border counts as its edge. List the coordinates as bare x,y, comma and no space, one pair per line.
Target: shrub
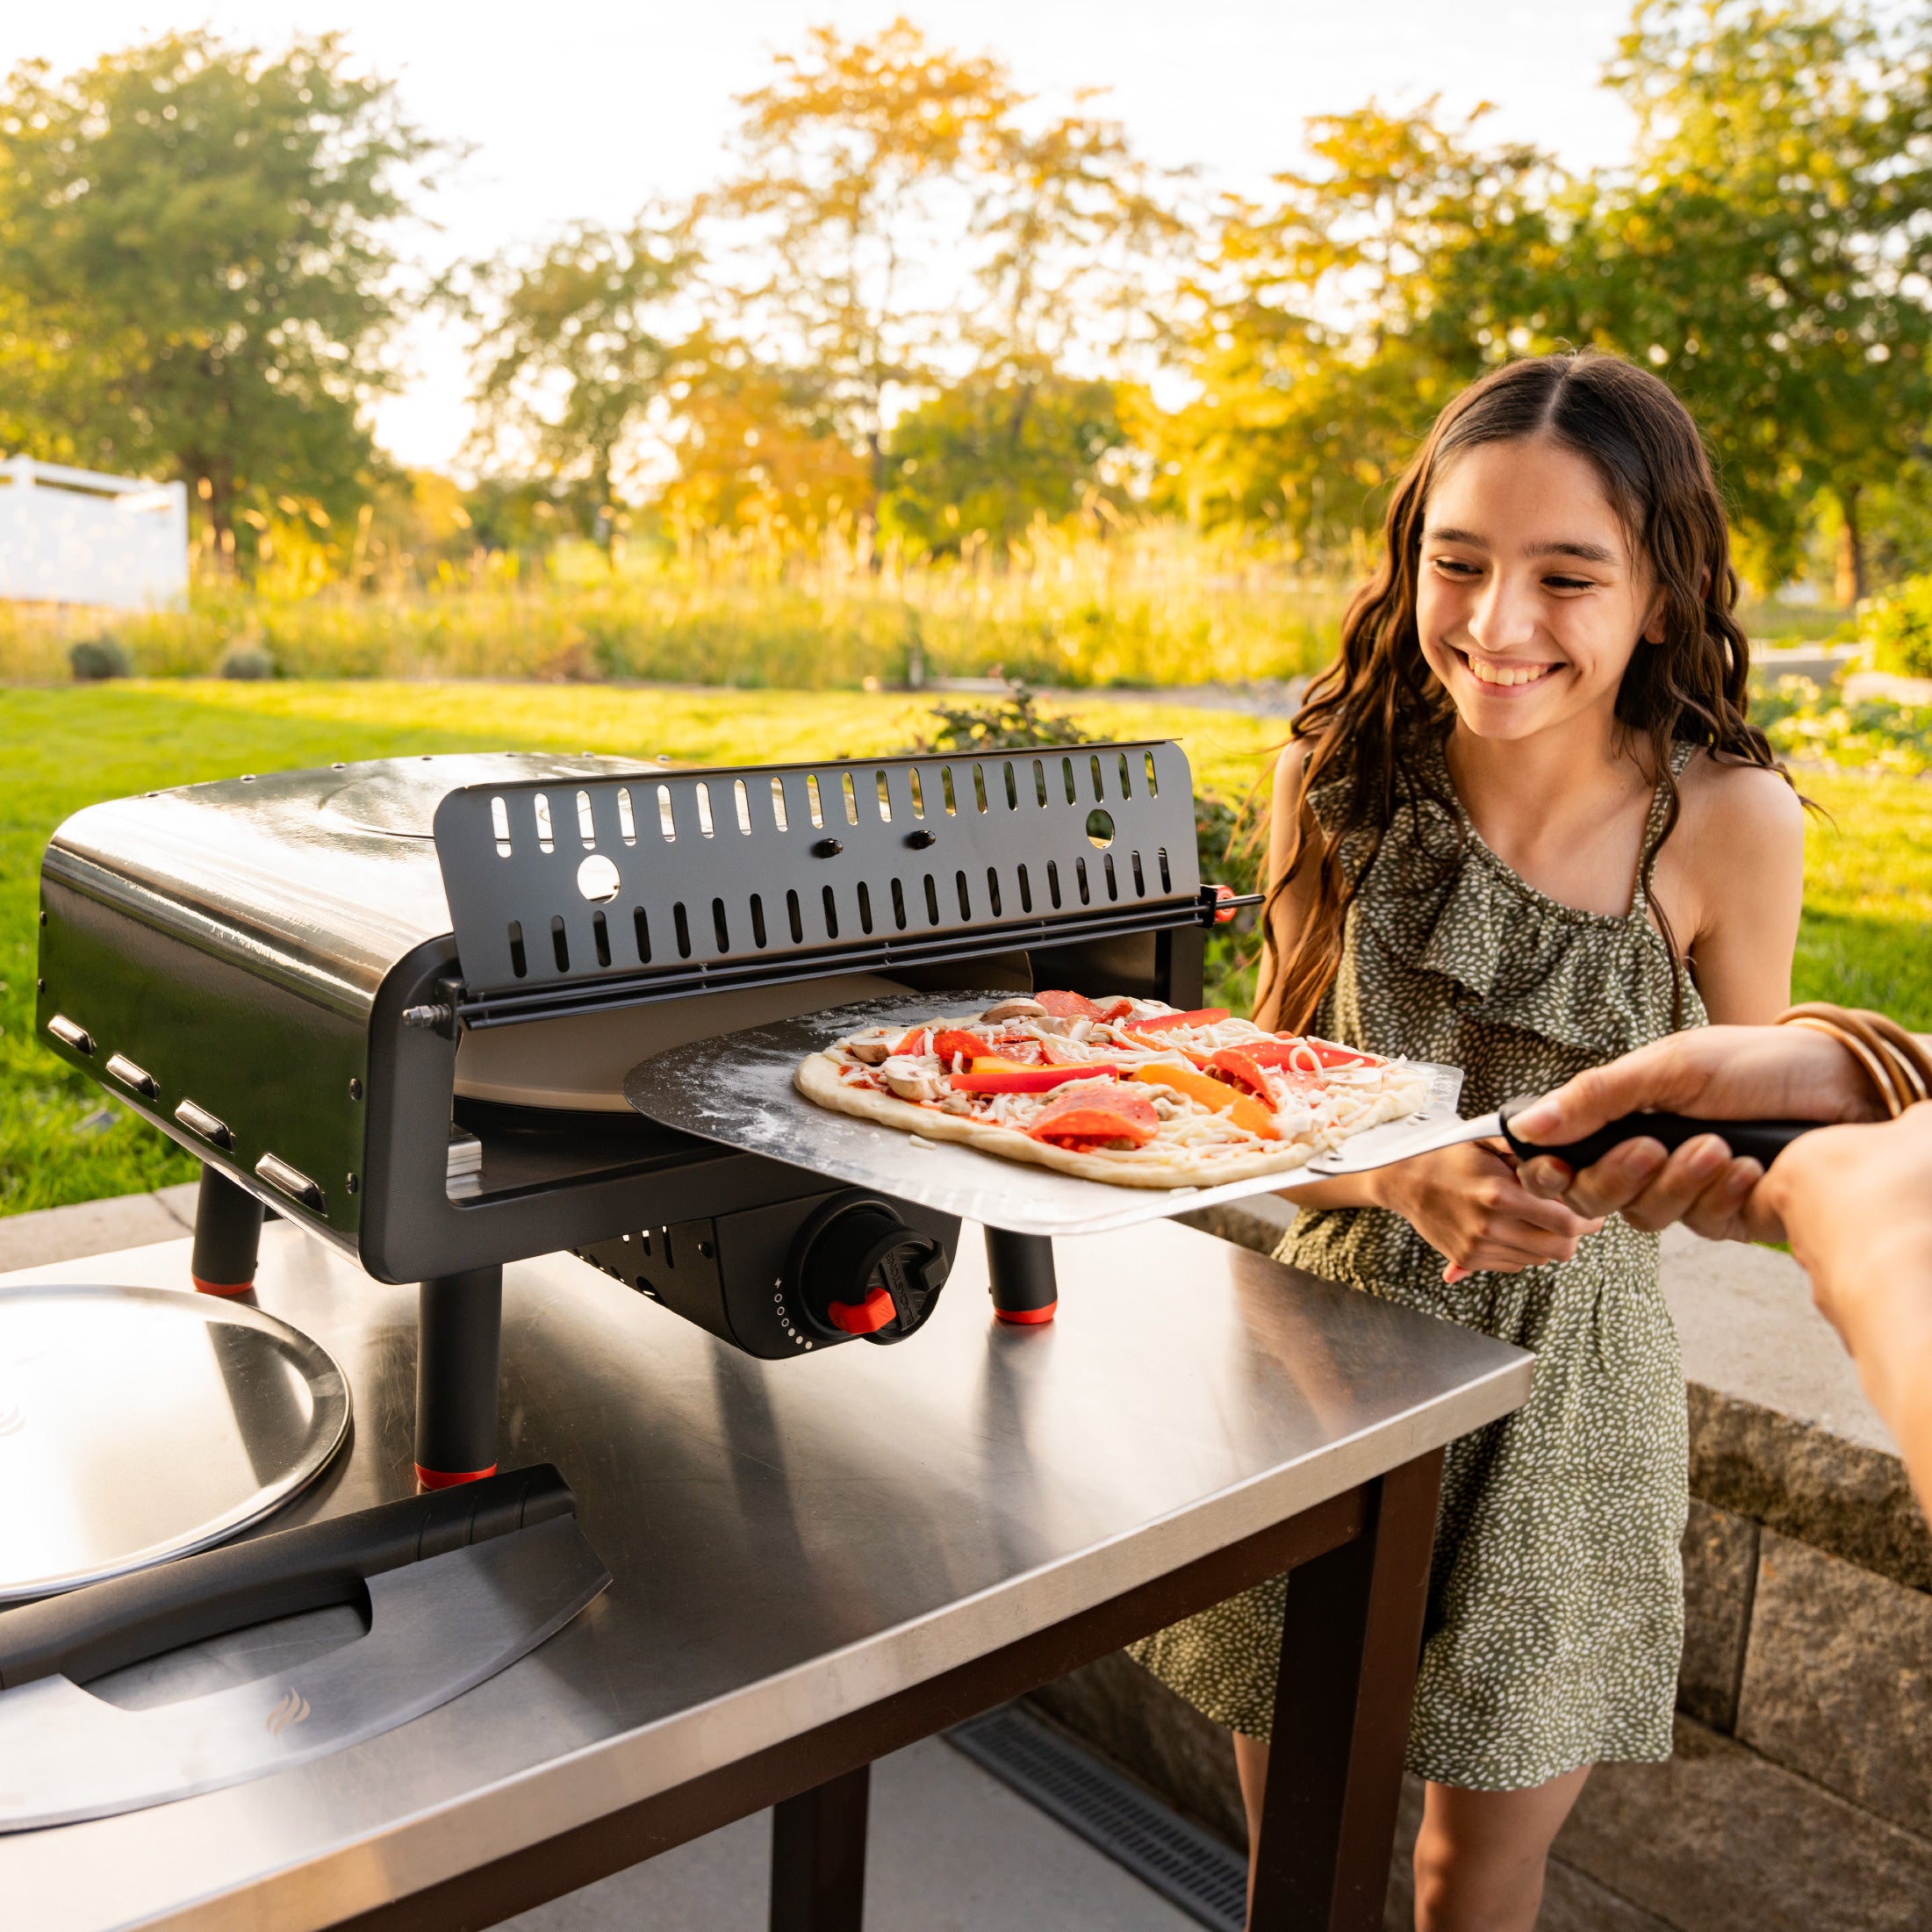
1012,723
1898,630
247,665
95,658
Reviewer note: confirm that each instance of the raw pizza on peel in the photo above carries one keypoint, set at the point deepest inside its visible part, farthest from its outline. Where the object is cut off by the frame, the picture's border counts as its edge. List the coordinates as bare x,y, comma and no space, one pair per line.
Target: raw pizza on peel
1129,1091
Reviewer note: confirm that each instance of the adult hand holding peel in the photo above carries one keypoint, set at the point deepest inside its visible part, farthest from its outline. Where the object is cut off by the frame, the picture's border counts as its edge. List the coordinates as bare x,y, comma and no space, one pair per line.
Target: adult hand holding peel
1716,1073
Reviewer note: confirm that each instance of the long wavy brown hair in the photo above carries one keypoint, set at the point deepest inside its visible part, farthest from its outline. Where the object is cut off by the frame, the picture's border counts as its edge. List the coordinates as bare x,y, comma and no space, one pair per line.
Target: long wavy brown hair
1369,716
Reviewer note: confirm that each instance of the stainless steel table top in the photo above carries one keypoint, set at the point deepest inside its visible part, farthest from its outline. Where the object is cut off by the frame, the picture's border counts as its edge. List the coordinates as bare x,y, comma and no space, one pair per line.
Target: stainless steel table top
790,1541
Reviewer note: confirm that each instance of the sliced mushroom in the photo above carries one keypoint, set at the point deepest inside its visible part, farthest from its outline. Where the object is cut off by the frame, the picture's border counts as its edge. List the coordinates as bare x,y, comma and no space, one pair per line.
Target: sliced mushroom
1015,1009
870,1052
905,1077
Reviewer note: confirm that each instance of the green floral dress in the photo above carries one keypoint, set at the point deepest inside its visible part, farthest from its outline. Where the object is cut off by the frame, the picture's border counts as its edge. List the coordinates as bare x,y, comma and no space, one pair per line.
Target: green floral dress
1555,1612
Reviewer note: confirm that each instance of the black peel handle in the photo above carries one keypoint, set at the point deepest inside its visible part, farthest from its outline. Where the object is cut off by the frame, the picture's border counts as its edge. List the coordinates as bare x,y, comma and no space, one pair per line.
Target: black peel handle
1760,1140
89,1631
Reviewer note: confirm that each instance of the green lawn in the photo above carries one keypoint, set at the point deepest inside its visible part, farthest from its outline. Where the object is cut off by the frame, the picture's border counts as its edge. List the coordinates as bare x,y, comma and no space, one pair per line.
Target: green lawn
1869,887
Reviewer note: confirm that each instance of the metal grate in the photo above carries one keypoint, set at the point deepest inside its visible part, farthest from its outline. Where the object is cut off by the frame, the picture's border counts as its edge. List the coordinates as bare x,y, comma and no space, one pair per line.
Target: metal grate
568,892
1186,1865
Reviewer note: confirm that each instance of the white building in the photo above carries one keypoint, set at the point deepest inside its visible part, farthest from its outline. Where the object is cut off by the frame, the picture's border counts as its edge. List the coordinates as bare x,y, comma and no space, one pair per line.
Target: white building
73,536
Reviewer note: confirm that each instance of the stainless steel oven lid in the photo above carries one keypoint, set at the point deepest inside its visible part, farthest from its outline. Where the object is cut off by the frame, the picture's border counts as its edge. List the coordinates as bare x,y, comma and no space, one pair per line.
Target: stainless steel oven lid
739,1090
136,1424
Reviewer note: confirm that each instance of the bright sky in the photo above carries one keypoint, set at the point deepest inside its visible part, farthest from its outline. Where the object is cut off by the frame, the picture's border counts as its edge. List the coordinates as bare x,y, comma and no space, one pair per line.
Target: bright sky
586,110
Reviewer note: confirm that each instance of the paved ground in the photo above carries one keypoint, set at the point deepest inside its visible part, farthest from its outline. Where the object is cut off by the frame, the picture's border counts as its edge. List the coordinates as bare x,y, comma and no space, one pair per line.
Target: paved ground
950,1850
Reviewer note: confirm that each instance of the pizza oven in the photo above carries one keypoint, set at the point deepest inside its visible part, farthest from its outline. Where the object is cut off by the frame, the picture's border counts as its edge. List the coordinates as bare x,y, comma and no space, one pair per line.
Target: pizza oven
396,1002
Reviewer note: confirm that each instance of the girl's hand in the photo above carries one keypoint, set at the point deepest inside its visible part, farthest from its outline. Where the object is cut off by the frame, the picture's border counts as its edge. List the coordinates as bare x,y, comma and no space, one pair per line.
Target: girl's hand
1468,1204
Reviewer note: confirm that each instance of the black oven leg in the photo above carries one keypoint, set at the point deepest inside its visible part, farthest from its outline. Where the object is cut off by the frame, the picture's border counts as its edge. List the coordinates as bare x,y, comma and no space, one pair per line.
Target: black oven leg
1019,1270
227,1236
1350,1644
818,1857
458,1336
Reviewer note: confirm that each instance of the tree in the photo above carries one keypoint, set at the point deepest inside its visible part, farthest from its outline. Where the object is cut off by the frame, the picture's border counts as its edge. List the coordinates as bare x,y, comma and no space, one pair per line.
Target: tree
759,446
847,156
194,242
989,455
1078,236
1769,252
1339,317
581,345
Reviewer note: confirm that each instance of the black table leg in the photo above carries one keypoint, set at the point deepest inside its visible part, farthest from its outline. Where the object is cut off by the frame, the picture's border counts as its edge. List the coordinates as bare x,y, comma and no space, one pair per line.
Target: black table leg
1350,1646
227,1236
459,1333
818,1857
1019,1269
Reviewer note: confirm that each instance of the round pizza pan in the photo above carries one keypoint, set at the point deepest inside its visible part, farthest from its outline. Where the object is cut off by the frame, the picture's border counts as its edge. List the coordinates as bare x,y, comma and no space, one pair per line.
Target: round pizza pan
138,1424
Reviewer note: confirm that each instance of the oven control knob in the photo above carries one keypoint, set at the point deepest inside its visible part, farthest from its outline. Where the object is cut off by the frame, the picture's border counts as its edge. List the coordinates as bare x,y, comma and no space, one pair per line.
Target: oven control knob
860,1270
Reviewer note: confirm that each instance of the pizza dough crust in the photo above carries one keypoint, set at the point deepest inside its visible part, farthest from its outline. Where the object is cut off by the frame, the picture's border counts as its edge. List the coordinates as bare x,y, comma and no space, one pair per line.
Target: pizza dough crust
817,1079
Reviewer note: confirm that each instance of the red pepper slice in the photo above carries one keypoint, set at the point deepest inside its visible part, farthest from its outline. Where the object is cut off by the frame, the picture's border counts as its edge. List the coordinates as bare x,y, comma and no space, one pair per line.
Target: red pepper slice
1203,1016
1283,1051
1068,1006
1331,1055
1116,1010
1109,1117
954,1040
1006,1077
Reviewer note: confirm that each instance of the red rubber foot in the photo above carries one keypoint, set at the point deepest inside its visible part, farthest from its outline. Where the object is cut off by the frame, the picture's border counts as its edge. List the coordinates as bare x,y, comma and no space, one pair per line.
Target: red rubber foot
221,1288
1025,1317
444,1479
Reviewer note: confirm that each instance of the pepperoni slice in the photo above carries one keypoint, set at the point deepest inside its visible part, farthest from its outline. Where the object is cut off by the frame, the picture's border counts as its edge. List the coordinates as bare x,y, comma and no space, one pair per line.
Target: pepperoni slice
1105,1118
1068,1006
1244,1069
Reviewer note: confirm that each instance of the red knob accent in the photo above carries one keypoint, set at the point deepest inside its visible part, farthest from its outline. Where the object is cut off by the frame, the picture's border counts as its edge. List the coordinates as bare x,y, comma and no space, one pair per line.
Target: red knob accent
1223,913
866,1318
221,1288
448,1479
1025,1317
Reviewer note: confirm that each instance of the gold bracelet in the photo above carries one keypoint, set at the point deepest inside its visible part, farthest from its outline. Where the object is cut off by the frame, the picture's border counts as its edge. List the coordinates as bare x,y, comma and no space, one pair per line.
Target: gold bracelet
1895,1063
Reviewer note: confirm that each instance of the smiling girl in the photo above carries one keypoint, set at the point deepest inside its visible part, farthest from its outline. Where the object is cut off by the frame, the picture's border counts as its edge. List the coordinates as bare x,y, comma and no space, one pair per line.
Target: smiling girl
1523,827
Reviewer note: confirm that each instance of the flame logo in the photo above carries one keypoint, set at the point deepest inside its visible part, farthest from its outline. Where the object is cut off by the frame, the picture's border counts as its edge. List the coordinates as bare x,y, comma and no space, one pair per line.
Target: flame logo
290,1708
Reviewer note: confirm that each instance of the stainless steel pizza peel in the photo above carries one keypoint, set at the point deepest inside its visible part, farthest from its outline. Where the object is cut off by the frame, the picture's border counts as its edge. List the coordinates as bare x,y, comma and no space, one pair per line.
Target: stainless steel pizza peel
739,1090
502,1566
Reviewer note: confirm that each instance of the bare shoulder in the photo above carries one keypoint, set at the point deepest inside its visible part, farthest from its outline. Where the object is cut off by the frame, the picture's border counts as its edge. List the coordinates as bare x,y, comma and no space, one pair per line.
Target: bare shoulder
1290,762
1736,863
1730,809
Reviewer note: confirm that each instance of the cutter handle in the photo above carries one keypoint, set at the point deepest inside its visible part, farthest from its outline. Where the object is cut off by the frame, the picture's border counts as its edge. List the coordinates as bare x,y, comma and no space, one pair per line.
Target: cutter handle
1759,1140
87,1632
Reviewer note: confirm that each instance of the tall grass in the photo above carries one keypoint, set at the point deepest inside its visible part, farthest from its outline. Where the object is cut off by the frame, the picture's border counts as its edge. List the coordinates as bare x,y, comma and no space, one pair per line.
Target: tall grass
1150,604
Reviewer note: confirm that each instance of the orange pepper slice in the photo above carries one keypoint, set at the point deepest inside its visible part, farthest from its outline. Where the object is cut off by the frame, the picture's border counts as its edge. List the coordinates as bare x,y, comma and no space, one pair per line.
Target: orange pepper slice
1215,1095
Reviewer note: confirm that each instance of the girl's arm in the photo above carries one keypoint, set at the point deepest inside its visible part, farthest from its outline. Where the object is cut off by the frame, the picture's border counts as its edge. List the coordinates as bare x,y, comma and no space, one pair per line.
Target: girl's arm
1466,1201
1737,864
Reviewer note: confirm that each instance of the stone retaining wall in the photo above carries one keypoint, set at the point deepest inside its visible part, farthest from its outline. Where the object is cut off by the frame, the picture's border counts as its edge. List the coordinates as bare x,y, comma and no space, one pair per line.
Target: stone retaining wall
1800,1793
